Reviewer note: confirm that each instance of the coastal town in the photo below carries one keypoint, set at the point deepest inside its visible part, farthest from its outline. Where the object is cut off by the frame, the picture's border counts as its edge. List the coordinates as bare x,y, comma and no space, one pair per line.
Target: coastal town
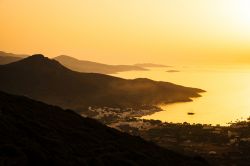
218,144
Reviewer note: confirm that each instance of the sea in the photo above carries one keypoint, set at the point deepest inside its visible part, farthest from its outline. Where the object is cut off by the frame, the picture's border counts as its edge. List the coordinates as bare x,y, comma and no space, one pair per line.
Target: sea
226,100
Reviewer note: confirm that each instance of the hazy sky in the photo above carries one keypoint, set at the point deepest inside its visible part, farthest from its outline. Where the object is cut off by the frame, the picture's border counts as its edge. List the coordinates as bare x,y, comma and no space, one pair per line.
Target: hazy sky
129,31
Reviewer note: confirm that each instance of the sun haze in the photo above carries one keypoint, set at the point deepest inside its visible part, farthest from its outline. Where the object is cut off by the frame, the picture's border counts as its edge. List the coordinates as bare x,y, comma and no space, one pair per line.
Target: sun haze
129,31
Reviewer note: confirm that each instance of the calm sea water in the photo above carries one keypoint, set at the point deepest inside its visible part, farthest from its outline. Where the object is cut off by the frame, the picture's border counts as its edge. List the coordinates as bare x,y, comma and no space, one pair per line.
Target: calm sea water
227,98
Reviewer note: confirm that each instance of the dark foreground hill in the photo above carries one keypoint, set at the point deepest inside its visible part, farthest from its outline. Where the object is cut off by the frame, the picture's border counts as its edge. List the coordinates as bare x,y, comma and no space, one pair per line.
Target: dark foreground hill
37,134
94,67
47,80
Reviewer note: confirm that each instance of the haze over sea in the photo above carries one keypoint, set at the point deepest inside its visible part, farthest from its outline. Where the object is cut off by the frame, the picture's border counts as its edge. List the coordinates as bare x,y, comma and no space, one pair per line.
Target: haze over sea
226,99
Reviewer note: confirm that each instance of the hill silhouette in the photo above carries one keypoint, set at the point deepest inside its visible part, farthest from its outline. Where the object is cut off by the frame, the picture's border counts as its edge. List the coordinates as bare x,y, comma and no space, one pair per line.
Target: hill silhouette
6,58
34,133
75,64
47,80
93,67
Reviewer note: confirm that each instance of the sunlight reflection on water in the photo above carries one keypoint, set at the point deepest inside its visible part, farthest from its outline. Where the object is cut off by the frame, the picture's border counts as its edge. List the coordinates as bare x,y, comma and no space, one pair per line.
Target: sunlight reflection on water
227,97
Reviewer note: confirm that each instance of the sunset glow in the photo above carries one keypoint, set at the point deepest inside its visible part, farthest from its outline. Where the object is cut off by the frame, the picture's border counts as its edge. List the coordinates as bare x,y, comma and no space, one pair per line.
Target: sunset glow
207,31
125,82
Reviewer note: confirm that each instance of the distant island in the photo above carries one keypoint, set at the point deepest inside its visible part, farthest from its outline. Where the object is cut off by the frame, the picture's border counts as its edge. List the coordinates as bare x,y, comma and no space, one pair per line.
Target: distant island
191,113
172,71
151,65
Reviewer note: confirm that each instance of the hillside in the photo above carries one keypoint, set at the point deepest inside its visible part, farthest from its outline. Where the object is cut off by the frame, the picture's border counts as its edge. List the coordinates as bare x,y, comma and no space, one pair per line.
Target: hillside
6,58
93,67
33,133
47,80
75,64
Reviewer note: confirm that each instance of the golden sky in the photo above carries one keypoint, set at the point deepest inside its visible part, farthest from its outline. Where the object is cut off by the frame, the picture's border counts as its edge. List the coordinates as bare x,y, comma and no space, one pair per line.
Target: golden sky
129,31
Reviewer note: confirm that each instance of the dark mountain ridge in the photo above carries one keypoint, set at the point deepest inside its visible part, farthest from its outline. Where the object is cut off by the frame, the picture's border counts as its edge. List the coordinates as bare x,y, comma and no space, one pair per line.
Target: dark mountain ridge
75,64
47,80
37,134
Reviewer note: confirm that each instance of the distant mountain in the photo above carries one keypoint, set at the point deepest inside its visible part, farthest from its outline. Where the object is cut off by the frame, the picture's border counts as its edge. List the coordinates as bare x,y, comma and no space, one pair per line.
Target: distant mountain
75,64
2,53
47,80
93,67
6,58
34,133
150,65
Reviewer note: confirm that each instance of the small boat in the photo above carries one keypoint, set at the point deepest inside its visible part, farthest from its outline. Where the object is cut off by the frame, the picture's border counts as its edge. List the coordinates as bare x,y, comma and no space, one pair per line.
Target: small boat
190,113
